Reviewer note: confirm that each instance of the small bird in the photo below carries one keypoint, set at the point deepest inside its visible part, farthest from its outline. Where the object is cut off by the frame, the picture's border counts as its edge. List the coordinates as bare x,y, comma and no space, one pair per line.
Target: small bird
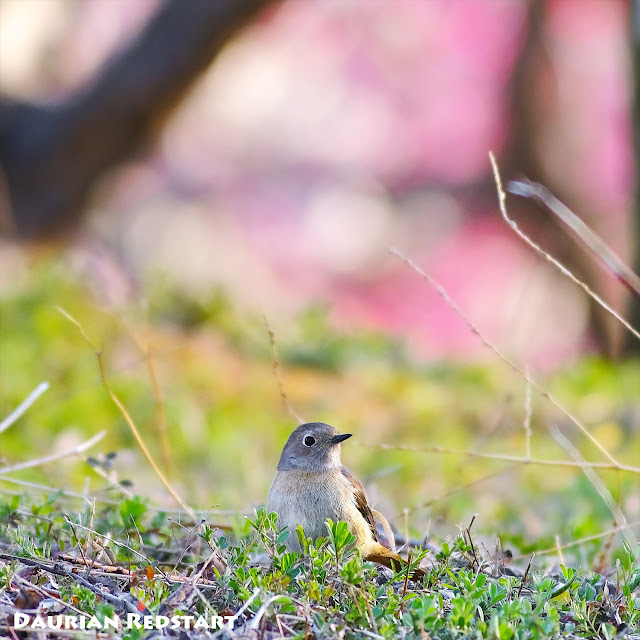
312,485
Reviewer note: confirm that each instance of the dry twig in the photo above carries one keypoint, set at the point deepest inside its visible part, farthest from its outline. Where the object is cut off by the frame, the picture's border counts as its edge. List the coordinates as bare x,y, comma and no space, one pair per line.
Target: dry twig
160,424
120,544
502,197
576,543
595,480
506,457
526,575
473,549
528,189
276,370
128,419
59,571
614,463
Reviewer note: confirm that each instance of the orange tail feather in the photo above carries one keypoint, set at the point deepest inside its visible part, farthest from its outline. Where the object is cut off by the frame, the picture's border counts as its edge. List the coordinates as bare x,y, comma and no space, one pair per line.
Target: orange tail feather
388,558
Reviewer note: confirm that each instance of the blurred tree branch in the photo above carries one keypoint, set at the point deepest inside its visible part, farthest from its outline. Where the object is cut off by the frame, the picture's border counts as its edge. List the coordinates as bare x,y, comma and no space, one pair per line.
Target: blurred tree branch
51,156
634,306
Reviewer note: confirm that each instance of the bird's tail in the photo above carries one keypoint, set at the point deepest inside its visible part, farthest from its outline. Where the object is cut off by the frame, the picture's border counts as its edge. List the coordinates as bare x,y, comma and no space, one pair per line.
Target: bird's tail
380,554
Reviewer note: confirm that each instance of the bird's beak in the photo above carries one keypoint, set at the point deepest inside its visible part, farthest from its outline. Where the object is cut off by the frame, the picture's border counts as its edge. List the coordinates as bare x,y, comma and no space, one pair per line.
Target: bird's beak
340,437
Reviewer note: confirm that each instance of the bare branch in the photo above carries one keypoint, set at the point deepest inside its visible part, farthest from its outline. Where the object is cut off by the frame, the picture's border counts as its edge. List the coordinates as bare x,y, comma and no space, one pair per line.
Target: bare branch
51,155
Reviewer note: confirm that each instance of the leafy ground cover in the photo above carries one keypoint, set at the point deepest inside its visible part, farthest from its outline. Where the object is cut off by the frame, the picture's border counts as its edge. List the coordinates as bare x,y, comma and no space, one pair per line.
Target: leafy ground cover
434,442
125,563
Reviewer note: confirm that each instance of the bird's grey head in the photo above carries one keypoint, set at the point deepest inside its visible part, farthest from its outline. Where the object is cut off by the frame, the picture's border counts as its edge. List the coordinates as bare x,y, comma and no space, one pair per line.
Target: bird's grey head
314,446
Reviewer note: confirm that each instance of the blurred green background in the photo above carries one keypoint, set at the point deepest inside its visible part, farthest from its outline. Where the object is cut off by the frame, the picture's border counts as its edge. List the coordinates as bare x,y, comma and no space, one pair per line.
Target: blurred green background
226,422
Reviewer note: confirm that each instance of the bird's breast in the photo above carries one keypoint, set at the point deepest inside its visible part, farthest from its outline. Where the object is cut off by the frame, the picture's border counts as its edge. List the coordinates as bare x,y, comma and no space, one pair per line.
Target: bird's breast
309,498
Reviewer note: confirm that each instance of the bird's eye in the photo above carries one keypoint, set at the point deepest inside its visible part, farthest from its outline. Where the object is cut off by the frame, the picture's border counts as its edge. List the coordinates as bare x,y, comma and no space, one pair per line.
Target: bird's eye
309,441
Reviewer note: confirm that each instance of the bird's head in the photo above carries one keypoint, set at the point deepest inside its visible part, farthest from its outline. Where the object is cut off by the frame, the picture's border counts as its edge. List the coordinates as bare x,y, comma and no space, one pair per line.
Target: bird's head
314,446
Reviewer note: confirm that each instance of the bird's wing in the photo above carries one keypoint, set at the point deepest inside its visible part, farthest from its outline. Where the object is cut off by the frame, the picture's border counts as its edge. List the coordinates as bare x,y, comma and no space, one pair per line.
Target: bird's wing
361,500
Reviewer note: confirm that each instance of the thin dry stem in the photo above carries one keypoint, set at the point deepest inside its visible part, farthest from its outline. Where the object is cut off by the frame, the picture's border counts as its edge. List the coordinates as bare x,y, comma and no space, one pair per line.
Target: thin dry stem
457,489
527,417
473,549
56,456
113,541
509,362
23,406
129,420
160,422
526,574
112,484
404,586
577,543
505,457
77,537
213,556
528,189
543,254
277,366
595,480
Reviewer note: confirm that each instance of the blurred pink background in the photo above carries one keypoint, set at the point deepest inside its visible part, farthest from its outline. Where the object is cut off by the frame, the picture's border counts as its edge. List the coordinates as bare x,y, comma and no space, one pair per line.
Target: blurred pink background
327,133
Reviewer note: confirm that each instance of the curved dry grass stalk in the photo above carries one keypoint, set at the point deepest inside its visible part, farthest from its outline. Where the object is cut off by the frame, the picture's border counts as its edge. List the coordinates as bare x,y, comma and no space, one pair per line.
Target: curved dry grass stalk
502,198
579,541
129,420
534,190
160,424
595,480
543,392
277,370
588,468
615,466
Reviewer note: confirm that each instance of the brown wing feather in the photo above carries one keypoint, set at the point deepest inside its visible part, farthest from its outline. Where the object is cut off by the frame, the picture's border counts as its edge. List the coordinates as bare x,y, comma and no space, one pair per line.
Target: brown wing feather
379,553
361,500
